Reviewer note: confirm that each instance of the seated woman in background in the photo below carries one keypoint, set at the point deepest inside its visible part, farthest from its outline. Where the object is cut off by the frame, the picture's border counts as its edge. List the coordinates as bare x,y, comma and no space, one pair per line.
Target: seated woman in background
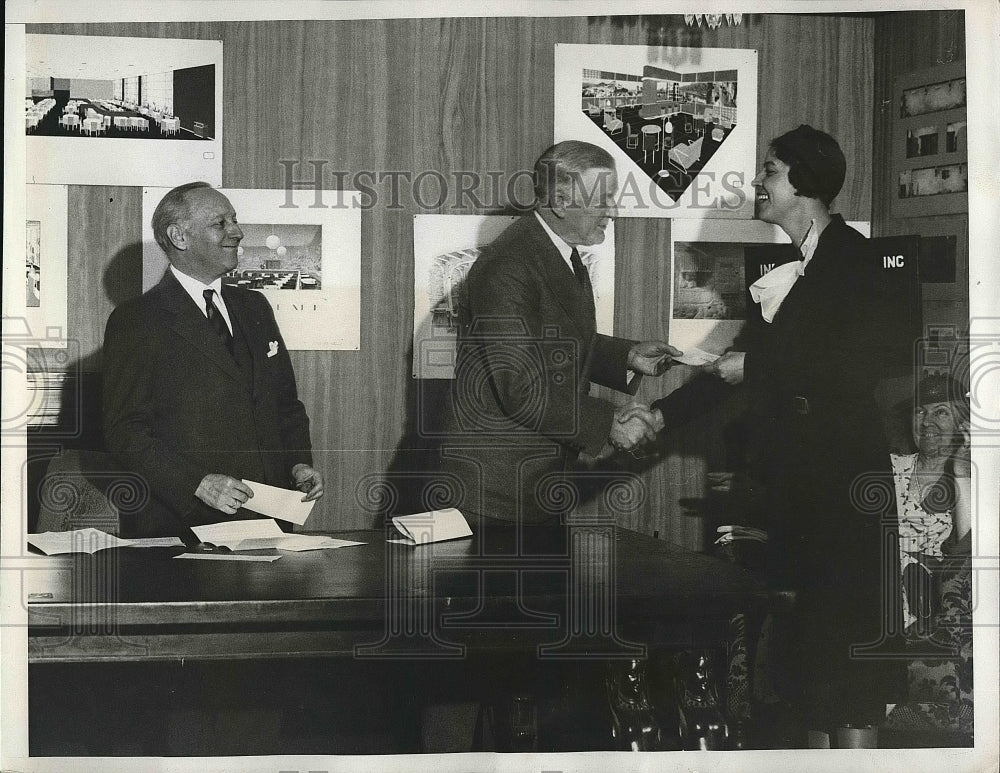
932,491
934,494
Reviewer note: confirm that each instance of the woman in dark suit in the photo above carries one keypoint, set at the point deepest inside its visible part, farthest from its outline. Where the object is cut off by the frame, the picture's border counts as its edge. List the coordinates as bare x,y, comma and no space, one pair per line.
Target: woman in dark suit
812,367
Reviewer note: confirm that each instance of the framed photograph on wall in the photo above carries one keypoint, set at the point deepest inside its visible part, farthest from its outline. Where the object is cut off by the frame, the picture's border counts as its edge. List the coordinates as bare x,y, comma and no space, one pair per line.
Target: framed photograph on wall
712,263
45,269
444,249
123,111
944,258
680,123
305,260
930,143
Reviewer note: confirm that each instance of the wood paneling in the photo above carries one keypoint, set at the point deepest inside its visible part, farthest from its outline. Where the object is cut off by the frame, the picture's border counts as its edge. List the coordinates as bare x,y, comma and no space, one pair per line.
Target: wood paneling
450,95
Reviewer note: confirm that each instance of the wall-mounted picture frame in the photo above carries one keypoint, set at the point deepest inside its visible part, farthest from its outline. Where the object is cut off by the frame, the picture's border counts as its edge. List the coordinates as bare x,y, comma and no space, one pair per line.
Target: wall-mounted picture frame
305,260
123,111
45,258
944,257
930,142
444,249
712,263
680,123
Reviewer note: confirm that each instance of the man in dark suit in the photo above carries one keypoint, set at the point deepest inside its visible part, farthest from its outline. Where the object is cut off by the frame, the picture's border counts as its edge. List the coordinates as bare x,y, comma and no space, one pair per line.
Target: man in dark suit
198,392
521,413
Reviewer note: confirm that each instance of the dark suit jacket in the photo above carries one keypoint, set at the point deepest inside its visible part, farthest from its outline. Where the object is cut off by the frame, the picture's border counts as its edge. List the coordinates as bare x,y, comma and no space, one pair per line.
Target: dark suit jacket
831,505
178,406
520,406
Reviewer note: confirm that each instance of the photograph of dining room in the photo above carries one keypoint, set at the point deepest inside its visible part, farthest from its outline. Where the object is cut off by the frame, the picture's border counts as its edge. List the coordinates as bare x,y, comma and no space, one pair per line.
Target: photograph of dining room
122,110
170,105
669,123
279,256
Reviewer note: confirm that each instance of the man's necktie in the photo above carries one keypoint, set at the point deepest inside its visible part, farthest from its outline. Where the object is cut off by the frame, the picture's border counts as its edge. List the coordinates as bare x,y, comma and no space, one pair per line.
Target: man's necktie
583,278
217,321
578,269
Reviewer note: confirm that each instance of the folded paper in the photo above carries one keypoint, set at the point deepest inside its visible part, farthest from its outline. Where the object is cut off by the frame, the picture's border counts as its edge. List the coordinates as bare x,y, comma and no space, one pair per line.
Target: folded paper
433,526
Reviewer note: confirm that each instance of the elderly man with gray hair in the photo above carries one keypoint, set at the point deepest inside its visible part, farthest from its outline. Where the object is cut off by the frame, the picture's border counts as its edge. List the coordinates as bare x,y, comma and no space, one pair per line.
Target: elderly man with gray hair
521,413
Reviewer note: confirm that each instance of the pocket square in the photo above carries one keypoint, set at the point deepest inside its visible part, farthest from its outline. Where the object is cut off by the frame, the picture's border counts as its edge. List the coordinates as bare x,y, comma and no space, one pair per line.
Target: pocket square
272,348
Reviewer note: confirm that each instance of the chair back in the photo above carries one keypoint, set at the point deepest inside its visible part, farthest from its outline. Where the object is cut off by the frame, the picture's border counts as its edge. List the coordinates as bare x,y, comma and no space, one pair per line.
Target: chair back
82,489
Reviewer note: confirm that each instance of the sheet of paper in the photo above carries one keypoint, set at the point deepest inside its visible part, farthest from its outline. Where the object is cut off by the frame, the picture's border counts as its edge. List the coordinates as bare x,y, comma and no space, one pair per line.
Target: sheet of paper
695,356
264,534
226,557
91,540
433,526
154,542
230,533
300,542
282,503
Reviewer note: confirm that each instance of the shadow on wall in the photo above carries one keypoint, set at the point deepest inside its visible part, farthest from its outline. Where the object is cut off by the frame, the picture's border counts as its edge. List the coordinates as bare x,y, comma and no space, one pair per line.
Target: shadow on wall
76,424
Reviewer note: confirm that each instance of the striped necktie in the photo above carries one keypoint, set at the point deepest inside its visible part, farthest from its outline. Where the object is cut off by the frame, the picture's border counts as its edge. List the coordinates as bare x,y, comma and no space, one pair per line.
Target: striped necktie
217,321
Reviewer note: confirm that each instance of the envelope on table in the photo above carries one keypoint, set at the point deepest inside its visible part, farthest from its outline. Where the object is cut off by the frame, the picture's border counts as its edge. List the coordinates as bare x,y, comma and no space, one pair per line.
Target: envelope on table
434,526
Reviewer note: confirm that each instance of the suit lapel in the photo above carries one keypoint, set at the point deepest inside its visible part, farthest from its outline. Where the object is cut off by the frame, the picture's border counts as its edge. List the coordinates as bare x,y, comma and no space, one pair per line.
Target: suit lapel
560,280
191,325
245,324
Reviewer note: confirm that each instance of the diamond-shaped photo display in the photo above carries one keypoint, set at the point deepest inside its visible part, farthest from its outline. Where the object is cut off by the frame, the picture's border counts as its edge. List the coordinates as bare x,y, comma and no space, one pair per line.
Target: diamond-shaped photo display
669,123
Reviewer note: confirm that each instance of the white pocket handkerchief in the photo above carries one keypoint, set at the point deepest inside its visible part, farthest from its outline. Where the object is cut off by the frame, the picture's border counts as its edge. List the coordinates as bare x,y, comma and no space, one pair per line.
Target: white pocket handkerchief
272,348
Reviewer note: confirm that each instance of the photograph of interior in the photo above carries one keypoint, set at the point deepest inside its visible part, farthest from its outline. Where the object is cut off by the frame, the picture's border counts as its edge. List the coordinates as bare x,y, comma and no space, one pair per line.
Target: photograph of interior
122,96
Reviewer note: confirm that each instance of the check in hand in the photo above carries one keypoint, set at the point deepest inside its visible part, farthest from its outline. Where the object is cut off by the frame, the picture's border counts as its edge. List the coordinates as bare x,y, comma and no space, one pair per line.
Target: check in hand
308,480
729,367
652,358
223,492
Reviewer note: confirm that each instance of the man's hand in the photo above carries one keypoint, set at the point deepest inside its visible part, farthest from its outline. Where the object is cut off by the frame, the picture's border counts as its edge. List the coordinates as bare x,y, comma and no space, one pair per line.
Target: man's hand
633,425
223,492
652,358
308,480
729,367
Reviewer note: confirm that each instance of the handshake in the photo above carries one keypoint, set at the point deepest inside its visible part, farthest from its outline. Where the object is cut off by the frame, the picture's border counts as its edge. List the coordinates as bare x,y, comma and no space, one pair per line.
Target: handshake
634,426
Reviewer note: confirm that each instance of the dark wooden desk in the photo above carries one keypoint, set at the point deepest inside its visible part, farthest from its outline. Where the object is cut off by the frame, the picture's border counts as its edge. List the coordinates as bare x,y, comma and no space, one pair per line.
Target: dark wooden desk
580,590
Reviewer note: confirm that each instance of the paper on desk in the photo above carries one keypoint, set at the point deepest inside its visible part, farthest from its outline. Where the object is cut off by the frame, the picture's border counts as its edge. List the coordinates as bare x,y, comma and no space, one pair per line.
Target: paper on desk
91,540
231,533
263,534
300,542
226,557
282,503
434,526
695,356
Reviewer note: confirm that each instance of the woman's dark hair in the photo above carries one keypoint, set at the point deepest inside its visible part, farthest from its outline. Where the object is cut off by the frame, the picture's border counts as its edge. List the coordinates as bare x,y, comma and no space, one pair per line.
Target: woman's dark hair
816,164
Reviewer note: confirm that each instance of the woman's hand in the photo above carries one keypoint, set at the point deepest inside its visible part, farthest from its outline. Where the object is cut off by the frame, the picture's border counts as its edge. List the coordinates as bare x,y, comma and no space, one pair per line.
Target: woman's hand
961,461
729,367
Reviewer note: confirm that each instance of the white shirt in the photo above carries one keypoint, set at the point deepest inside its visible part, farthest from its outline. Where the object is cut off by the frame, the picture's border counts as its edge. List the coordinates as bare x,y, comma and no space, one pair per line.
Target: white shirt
196,290
564,247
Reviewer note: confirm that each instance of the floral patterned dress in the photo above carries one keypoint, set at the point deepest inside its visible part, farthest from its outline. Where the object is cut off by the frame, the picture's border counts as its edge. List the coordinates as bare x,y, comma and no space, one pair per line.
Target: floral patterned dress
921,533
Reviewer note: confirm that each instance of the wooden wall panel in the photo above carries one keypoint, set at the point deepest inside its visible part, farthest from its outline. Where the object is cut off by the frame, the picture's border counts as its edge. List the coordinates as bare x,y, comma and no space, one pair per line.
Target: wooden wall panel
452,95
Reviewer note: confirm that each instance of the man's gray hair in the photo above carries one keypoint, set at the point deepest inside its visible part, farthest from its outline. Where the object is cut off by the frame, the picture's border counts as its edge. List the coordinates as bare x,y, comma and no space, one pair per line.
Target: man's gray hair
560,166
172,208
